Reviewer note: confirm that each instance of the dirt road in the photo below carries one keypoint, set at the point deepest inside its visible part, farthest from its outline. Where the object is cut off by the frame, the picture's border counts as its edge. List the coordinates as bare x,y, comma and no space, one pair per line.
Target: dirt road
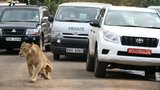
69,74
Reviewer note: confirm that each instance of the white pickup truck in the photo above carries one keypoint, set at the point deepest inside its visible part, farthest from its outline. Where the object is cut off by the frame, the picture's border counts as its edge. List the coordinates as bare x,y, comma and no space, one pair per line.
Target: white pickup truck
126,38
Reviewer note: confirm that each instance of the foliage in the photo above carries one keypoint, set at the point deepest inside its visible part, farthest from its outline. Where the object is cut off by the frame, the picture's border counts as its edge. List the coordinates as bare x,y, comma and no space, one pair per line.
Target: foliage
53,4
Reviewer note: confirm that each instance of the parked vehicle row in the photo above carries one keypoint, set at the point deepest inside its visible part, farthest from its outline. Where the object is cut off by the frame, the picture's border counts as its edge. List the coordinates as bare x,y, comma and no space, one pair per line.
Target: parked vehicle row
109,36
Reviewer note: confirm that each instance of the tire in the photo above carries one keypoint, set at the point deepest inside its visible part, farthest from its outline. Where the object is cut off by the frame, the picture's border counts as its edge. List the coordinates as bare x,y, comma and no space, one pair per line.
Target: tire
100,68
150,73
47,48
56,56
90,63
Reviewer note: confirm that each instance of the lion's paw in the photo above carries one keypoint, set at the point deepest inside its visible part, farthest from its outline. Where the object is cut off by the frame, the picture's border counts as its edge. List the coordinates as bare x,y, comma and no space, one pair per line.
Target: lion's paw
49,77
33,80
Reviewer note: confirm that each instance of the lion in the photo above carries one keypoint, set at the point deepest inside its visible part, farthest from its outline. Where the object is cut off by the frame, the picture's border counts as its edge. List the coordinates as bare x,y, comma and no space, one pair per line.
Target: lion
38,64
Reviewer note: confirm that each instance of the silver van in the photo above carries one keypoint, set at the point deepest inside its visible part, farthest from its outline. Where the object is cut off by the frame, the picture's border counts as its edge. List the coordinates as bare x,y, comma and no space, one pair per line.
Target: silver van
69,34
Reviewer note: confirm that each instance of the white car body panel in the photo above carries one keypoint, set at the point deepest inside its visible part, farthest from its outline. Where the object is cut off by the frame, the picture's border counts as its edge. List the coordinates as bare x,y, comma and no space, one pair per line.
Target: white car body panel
64,27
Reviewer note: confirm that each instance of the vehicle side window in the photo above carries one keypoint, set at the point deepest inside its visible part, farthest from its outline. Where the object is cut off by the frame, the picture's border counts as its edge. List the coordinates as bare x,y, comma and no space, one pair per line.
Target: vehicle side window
102,12
45,13
101,15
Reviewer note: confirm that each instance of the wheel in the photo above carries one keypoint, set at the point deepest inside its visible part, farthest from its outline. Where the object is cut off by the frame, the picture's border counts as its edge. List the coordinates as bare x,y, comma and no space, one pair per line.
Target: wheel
47,48
56,56
90,63
150,73
100,68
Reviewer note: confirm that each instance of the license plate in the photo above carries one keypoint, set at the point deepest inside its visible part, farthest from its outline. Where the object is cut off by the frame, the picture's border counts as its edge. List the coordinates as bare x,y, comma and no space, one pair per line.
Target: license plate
139,51
74,50
13,39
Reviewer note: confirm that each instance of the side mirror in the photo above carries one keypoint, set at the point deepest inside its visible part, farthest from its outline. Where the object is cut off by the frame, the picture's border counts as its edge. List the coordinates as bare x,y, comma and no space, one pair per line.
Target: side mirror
50,18
94,23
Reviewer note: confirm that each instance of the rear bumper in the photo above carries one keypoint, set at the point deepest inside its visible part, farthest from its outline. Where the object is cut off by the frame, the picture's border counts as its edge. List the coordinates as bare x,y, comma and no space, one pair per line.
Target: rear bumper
64,43
4,44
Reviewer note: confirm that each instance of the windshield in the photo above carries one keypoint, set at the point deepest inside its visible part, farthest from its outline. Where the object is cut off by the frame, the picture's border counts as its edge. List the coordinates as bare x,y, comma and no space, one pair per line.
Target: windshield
1,9
132,18
20,15
76,14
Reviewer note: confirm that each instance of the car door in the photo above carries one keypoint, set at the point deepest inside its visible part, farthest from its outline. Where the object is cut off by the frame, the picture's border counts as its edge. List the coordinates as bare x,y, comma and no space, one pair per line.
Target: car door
94,30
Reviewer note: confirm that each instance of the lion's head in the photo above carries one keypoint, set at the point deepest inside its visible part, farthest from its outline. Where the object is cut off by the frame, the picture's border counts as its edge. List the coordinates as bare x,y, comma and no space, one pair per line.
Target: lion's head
25,49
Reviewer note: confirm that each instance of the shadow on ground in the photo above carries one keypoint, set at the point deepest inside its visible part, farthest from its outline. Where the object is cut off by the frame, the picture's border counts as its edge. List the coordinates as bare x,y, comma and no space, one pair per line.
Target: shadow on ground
12,52
64,58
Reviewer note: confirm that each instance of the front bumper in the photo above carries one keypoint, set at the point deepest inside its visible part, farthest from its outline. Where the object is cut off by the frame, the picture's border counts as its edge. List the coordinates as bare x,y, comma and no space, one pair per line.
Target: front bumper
4,44
117,53
64,43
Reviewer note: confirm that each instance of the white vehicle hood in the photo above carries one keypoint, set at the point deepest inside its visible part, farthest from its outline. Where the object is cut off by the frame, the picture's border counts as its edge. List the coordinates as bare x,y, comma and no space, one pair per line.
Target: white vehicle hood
71,27
134,31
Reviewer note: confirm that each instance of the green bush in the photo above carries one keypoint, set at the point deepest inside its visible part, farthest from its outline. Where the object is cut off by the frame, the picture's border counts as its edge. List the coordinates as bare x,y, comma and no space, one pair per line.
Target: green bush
53,4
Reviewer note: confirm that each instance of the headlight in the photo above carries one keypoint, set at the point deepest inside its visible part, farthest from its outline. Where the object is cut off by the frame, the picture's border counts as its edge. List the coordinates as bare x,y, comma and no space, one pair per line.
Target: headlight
0,31
32,31
56,34
109,36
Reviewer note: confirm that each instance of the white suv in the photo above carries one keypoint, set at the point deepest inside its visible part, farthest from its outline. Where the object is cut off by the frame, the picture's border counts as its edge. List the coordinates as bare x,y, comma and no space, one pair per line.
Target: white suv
126,38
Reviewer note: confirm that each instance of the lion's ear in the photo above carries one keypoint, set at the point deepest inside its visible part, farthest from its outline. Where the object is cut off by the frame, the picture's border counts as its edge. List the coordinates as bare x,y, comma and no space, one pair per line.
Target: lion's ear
32,43
23,43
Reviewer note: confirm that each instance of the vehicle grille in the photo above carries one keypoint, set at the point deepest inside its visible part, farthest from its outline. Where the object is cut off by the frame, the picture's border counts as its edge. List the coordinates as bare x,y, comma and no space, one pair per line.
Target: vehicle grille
132,41
78,36
75,34
14,31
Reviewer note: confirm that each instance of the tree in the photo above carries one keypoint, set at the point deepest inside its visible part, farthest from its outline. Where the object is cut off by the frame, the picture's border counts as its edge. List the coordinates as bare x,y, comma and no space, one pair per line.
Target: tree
53,4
